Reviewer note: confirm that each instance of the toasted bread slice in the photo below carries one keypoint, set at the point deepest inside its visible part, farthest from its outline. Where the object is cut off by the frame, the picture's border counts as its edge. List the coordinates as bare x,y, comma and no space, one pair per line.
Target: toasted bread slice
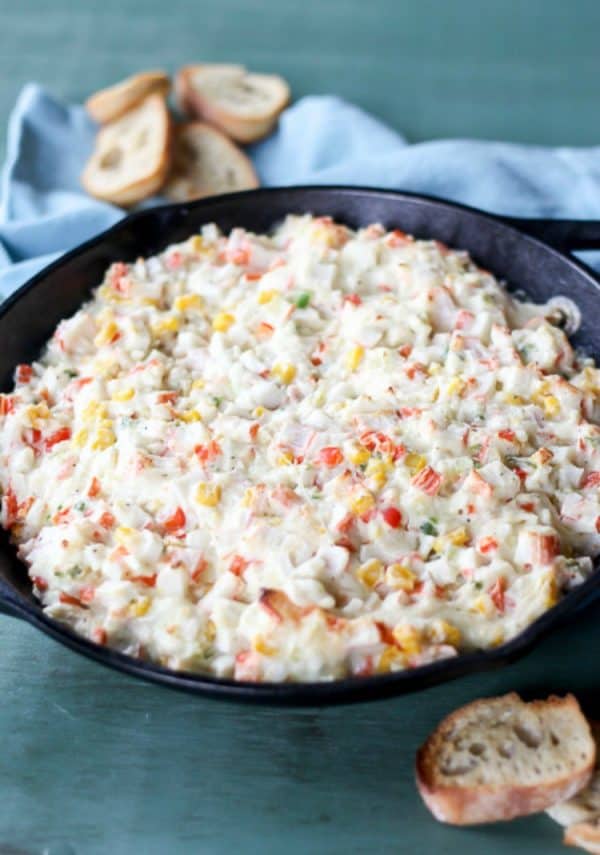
108,104
585,835
499,758
585,805
206,163
243,105
132,156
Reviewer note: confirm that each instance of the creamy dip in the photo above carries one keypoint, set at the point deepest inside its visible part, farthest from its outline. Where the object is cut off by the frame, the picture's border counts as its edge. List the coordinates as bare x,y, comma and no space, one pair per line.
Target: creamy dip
302,456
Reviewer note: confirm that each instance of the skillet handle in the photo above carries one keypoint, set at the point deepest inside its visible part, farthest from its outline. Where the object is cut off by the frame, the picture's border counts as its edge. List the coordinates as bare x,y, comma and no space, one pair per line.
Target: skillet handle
564,235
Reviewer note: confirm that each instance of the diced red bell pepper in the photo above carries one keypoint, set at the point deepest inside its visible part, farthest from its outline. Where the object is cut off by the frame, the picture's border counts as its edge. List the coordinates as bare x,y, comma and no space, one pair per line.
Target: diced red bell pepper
331,456
392,517
175,522
60,435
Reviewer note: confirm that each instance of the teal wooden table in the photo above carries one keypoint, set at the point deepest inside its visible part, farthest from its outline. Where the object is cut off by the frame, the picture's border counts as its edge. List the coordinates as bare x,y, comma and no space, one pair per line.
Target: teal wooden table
92,762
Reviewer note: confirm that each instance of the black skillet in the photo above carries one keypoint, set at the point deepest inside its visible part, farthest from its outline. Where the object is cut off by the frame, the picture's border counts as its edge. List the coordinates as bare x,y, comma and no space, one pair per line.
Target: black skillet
529,254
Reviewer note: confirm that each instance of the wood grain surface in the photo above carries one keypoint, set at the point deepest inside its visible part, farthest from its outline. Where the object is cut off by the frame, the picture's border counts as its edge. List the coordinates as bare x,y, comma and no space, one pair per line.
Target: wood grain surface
92,762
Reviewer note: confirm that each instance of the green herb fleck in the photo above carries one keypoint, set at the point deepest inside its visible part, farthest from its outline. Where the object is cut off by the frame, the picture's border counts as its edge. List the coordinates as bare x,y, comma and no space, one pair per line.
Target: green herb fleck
429,528
303,300
80,506
217,401
479,585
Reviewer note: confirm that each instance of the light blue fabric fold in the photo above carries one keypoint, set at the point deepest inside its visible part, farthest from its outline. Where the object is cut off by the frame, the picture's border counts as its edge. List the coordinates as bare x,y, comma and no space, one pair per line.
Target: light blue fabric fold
319,140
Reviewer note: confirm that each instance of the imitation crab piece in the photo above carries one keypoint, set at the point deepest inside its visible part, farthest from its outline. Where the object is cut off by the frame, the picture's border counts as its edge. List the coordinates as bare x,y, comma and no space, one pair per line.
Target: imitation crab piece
592,479
543,548
474,483
496,593
427,480
279,606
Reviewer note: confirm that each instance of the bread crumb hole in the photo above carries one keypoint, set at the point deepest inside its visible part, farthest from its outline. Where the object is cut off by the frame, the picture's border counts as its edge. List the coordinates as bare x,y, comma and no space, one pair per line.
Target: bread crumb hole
554,739
111,158
506,749
477,748
142,138
529,737
449,768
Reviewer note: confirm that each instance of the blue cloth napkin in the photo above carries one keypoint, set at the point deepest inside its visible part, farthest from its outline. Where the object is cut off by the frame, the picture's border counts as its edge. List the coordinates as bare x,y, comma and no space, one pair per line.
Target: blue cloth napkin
319,140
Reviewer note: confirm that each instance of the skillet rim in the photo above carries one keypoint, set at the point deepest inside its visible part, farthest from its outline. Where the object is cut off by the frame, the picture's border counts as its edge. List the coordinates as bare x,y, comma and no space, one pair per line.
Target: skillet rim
350,689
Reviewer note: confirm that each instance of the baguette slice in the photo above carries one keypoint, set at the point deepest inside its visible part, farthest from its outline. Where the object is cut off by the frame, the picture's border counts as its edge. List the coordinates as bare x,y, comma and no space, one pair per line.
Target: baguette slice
499,758
586,835
585,805
245,106
206,163
108,104
131,159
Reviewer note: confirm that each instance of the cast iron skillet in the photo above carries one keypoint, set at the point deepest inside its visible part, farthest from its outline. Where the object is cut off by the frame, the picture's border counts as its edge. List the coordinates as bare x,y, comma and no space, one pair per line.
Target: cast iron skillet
528,254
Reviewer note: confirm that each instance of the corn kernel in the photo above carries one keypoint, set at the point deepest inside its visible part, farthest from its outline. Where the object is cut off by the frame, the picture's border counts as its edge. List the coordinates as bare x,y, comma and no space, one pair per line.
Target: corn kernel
483,604
80,438
376,472
258,412
190,416
551,586
267,296
551,406
123,534
456,386
140,607
37,413
166,325
359,455
400,576
222,322
514,400
285,371
123,395
370,573
104,438
362,503
188,301
444,632
458,537
106,334
354,357
415,462
408,638
285,458
198,383
391,657
149,301
197,243
208,494
262,647
94,411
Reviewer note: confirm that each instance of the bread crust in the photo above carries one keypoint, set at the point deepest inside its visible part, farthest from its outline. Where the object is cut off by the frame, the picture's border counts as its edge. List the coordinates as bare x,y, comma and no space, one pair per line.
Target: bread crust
485,803
584,835
245,129
109,104
134,191
585,806
199,186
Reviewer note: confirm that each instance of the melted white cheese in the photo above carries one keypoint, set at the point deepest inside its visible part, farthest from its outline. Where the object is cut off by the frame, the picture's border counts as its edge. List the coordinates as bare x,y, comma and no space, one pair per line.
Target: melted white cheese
302,456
